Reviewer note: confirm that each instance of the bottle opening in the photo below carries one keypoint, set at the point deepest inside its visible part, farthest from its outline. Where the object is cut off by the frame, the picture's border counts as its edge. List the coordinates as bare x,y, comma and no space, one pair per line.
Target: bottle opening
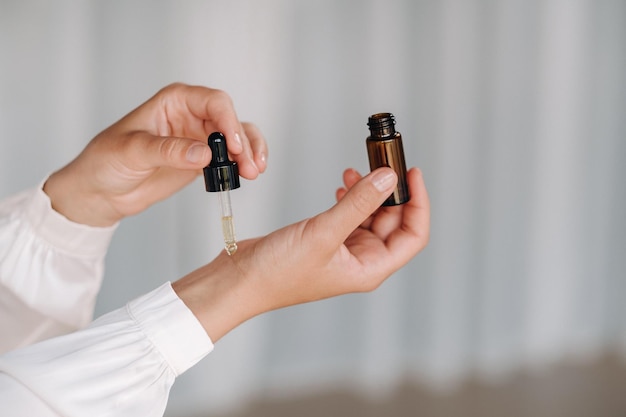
382,124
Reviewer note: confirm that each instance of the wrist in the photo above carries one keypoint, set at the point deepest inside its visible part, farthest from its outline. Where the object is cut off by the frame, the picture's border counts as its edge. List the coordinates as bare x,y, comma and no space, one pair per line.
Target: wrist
76,203
219,295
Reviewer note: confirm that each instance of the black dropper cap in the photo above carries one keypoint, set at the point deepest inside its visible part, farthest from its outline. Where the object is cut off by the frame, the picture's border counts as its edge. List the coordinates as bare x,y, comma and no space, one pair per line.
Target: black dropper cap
221,174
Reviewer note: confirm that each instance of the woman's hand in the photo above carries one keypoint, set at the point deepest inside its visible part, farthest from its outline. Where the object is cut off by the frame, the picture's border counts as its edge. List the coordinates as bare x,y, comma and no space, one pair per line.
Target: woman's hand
352,247
151,153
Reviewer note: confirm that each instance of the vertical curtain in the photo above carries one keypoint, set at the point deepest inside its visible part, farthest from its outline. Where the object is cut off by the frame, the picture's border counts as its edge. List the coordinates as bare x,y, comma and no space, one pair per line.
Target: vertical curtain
513,109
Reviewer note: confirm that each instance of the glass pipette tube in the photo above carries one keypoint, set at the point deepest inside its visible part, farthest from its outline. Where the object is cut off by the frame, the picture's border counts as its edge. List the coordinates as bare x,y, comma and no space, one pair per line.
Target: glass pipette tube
228,229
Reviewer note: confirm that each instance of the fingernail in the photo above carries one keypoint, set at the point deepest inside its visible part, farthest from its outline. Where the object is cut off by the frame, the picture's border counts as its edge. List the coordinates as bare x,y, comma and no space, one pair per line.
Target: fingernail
253,162
196,153
263,157
384,180
238,140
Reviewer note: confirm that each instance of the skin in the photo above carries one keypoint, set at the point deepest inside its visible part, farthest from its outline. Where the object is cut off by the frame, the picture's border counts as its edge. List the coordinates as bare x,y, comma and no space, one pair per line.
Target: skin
352,247
160,147
151,153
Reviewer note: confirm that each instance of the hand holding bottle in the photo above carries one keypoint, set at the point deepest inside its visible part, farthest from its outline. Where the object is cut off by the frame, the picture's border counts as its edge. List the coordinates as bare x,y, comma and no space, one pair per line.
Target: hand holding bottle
352,247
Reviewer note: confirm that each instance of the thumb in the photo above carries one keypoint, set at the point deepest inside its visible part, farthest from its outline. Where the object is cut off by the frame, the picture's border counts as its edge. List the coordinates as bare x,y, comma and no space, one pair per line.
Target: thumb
359,203
150,151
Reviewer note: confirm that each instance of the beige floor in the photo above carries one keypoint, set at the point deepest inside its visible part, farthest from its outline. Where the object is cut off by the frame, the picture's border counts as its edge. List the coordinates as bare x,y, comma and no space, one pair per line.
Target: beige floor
593,390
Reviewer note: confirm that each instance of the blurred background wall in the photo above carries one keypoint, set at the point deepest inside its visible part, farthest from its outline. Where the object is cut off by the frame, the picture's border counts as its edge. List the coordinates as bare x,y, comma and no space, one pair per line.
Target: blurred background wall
515,110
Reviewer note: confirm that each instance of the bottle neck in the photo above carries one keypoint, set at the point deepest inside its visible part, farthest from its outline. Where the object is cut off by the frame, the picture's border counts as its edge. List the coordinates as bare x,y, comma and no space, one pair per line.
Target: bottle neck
382,125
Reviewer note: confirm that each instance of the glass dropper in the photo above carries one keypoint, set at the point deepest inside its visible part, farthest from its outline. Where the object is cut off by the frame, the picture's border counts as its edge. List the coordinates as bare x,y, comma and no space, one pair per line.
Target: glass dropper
228,229
221,176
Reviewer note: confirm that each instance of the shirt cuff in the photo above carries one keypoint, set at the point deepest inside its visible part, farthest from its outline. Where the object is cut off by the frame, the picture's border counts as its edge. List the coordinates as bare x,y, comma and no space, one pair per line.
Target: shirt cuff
75,238
171,327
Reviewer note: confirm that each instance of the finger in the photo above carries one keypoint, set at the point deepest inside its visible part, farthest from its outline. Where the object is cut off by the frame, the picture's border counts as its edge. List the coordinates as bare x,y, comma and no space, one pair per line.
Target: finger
194,112
257,144
247,166
340,193
216,109
146,151
414,231
350,177
387,220
356,205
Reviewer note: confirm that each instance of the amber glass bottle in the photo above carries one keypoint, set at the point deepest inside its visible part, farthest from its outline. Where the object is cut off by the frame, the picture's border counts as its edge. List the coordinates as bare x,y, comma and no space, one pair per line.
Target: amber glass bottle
384,148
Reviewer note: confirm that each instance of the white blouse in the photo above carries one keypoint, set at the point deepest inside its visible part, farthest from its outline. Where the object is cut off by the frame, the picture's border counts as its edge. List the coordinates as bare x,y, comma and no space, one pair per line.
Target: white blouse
122,364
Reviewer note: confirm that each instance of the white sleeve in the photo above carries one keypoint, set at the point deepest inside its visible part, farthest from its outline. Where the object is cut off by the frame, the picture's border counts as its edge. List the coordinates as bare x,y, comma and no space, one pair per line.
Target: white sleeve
50,270
123,364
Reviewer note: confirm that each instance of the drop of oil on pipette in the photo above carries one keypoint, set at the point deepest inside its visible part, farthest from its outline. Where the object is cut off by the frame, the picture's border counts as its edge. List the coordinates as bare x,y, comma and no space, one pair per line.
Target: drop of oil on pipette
228,230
